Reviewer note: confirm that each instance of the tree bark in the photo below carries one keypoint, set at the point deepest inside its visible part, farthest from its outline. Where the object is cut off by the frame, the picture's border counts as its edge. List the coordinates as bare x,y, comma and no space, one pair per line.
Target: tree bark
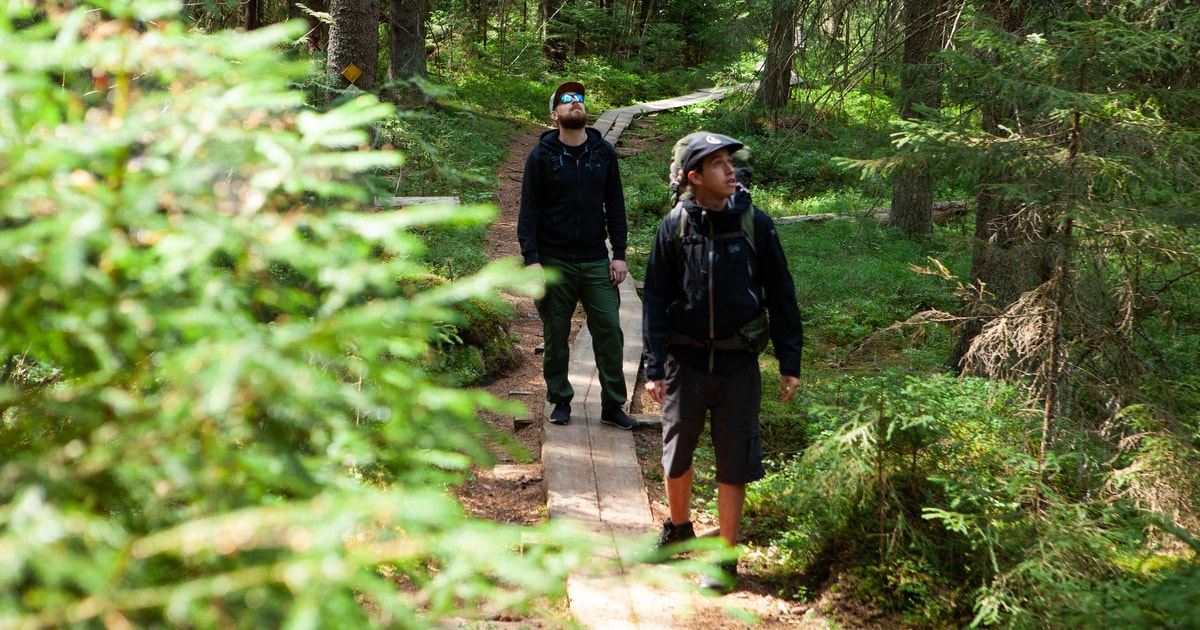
253,14
912,199
912,186
554,45
775,84
406,33
354,39
831,23
646,8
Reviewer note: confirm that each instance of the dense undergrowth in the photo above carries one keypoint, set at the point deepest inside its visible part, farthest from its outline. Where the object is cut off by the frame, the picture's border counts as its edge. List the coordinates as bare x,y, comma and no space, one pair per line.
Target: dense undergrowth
216,407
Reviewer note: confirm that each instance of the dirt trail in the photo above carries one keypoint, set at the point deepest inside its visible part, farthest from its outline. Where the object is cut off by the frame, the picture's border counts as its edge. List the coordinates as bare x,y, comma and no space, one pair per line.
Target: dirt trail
519,496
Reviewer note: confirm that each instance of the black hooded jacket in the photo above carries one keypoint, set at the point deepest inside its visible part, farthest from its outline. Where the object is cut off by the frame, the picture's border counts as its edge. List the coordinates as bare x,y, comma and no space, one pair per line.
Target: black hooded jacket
569,205
707,289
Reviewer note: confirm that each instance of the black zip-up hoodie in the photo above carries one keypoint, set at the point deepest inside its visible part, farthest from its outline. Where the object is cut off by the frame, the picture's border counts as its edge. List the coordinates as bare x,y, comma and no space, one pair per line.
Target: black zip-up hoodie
568,205
708,289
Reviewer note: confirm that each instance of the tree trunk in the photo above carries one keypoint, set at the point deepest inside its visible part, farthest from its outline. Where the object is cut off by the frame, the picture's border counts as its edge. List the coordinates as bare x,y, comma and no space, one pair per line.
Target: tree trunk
480,12
912,199
1011,252
554,45
353,39
912,186
775,84
253,14
831,23
646,8
406,33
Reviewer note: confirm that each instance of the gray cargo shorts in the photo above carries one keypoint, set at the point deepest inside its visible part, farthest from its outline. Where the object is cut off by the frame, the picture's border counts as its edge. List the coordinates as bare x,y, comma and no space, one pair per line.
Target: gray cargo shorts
733,398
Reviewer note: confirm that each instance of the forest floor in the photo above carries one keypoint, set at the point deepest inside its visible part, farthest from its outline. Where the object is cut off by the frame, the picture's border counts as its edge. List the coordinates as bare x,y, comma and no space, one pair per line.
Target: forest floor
517,494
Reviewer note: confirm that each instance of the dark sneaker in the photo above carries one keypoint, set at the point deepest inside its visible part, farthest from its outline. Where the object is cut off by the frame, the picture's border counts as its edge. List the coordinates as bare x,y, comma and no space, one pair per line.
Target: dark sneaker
673,534
561,413
723,581
618,418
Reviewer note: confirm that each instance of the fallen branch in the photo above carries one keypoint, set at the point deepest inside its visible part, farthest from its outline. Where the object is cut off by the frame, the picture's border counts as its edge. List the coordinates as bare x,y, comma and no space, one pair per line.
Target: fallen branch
943,213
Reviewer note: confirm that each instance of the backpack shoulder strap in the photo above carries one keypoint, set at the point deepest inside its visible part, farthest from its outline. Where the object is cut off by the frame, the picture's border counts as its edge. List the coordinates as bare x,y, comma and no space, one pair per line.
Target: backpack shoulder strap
748,226
680,217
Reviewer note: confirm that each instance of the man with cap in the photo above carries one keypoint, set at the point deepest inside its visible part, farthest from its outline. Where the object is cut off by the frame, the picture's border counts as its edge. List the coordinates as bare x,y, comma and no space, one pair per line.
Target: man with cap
571,200
711,282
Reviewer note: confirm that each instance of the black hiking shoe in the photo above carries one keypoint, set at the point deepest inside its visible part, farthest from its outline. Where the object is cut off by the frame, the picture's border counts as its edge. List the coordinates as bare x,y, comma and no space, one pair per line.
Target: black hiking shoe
561,413
723,581
671,536
618,418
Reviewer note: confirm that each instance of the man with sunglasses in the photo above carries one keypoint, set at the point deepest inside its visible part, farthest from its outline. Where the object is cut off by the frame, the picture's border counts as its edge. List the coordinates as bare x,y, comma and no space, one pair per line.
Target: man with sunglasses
571,201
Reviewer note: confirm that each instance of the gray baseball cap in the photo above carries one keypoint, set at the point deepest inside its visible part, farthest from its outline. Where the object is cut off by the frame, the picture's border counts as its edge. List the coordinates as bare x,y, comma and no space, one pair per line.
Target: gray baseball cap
702,145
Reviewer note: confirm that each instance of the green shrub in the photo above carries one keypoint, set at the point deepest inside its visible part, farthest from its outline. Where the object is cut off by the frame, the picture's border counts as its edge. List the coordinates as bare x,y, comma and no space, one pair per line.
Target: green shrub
1164,598
919,489
216,409
881,452
451,151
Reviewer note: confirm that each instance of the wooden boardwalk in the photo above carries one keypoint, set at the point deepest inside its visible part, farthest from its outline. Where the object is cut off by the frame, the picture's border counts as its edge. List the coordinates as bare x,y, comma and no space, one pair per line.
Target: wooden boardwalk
593,478
592,472
614,121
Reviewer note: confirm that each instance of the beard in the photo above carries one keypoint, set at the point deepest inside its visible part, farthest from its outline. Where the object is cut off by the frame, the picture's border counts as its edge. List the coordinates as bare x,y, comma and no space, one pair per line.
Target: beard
573,120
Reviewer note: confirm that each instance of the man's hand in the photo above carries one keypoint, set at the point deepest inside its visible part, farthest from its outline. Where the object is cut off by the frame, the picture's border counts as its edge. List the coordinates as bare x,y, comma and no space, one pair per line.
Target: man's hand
657,390
538,268
617,271
787,386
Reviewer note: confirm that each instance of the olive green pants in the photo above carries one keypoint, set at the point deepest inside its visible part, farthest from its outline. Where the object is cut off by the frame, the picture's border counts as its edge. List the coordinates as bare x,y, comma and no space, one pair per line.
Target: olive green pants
587,283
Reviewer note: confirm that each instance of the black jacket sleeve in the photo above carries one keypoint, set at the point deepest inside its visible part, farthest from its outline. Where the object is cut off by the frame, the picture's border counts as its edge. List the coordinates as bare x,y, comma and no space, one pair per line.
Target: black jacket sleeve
658,291
614,206
787,332
527,220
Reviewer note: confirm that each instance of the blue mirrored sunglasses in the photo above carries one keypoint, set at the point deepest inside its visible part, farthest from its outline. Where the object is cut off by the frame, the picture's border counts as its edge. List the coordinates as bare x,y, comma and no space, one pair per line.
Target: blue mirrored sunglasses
568,98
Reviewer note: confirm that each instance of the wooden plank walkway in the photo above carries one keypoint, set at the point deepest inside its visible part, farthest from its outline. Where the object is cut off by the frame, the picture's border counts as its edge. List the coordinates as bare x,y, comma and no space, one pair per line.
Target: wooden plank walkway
404,202
593,478
614,121
592,472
